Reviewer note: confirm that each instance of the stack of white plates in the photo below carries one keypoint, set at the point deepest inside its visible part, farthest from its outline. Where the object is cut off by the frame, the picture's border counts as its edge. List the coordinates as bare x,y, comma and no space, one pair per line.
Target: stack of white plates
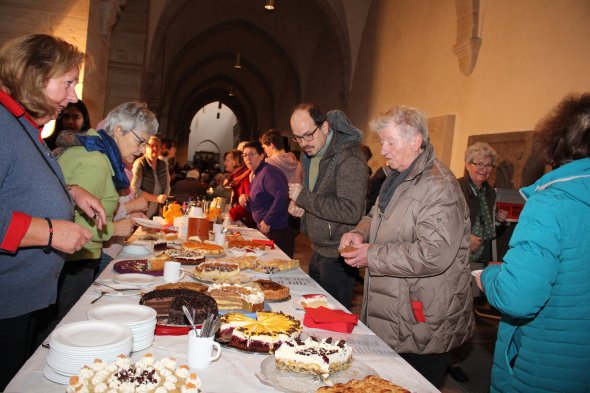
140,319
77,344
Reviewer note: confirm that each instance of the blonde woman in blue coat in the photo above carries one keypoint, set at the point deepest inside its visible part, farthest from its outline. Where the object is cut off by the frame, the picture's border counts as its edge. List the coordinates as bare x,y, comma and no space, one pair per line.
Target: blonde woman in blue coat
543,286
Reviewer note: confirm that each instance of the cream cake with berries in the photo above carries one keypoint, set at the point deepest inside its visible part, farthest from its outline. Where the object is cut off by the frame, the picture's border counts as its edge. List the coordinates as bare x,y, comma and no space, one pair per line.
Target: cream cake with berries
147,375
266,333
313,356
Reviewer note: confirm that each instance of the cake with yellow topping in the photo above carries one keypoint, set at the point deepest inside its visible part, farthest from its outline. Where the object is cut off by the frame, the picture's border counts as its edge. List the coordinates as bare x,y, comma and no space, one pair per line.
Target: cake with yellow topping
266,333
147,375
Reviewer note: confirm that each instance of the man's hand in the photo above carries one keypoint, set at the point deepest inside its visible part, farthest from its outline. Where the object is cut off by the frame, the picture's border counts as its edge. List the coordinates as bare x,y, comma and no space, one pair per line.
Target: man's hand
358,256
294,190
69,237
264,228
295,210
161,199
90,205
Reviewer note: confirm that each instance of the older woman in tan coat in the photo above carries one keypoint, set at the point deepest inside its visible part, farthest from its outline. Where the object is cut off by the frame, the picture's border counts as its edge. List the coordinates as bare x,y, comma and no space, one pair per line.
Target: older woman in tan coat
414,244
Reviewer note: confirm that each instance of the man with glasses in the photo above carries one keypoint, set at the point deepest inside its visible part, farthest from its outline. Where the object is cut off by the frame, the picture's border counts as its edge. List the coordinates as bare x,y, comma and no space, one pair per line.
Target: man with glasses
150,177
332,197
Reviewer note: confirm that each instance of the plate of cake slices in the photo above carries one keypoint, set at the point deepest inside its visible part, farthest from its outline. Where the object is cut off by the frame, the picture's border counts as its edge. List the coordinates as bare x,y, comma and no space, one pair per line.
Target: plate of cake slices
273,291
313,300
300,365
136,266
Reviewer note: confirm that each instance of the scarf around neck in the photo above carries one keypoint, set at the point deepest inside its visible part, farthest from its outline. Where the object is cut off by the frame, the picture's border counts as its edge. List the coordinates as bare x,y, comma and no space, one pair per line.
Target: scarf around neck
107,146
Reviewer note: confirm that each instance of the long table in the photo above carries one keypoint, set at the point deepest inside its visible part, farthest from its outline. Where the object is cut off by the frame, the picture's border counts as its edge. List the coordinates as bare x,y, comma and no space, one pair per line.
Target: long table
235,370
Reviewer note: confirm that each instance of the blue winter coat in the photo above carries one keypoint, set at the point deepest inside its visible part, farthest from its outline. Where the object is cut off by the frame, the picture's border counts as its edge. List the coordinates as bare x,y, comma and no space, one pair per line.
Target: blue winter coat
543,289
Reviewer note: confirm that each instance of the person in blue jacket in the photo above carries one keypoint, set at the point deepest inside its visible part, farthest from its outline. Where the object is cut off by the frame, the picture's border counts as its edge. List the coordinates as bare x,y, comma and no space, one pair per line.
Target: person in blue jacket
543,286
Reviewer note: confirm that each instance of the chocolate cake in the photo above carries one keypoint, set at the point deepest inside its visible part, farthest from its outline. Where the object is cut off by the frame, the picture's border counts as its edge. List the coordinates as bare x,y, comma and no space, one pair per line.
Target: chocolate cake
168,305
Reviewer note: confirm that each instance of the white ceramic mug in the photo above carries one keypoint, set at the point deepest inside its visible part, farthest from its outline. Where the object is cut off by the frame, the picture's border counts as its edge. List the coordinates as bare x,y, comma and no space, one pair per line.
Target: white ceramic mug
217,228
201,350
220,238
172,271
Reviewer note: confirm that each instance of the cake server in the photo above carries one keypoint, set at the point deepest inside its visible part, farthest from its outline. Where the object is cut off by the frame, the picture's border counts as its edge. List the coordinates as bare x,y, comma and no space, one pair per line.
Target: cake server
188,316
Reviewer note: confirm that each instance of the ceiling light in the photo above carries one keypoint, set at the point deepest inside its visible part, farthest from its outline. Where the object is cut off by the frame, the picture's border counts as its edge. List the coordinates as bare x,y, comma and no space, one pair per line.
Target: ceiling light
237,64
270,5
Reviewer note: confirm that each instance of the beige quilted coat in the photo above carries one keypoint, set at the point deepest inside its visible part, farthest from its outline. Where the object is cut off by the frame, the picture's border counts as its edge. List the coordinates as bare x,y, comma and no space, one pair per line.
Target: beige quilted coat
418,261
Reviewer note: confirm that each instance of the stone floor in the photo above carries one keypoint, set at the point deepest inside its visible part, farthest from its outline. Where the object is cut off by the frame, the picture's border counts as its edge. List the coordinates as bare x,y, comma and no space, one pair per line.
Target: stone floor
477,364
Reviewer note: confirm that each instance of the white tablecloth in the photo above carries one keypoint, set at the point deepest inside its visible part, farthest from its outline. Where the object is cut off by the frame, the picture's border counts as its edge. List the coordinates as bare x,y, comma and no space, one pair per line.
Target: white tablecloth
235,370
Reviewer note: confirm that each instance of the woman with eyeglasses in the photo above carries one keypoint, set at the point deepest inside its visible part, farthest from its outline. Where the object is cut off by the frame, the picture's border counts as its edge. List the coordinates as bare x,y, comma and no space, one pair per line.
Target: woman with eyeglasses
480,161
268,199
38,76
151,178
98,166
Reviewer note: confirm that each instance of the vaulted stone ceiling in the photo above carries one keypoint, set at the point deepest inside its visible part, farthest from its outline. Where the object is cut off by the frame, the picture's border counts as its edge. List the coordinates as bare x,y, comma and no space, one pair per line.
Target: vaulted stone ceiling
291,54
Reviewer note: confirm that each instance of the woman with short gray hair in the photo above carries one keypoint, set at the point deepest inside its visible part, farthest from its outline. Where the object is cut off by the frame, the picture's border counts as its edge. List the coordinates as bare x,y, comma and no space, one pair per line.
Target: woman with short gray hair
98,165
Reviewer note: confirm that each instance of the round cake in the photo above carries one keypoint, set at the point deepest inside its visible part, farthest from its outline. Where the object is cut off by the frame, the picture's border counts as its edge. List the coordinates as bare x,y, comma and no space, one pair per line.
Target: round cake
313,356
214,271
266,333
186,257
168,304
144,376
273,291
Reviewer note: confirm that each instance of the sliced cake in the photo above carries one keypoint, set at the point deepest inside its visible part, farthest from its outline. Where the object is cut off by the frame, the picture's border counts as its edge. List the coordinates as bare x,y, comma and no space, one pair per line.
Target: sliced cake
313,356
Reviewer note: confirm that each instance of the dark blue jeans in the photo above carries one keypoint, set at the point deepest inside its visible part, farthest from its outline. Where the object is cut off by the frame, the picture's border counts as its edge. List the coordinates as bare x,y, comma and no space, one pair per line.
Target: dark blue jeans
335,276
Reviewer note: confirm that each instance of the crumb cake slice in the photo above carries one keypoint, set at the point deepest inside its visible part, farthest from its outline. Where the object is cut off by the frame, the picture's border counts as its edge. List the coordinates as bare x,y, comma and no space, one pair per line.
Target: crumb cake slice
146,375
266,333
371,383
313,356
273,291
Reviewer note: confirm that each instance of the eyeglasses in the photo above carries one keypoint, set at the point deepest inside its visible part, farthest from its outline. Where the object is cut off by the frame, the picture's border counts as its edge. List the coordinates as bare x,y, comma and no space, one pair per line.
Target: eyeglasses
248,155
308,136
480,165
142,142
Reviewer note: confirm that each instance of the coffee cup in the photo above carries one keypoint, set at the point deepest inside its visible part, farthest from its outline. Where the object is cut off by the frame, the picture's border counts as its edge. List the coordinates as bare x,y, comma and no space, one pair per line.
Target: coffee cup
201,350
172,271
220,238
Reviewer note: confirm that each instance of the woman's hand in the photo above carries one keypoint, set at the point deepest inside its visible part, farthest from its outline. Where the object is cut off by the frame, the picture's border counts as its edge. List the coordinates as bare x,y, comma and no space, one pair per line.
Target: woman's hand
474,243
123,227
264,228
501,215
89,204
69,237
243,200
138,204
295,210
